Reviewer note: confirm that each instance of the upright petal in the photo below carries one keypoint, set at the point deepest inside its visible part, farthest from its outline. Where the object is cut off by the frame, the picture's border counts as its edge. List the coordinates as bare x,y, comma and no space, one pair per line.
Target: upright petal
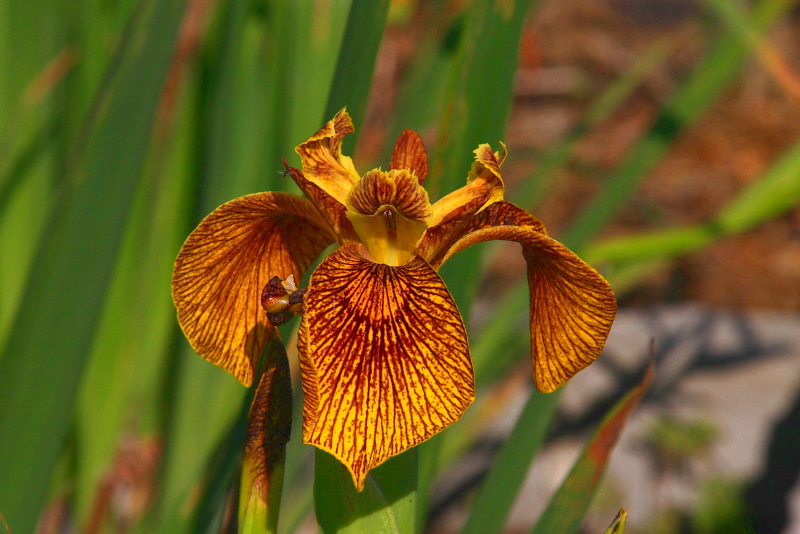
331,209
224,265
484,187
323,162
409,153
384,356
571,308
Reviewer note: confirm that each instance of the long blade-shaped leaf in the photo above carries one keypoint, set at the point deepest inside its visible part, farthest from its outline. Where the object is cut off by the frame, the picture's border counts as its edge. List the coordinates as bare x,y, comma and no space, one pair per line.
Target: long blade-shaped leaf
496,497
204,399
47,348
776,192
356,63
715,72
476,111
568,506
381,507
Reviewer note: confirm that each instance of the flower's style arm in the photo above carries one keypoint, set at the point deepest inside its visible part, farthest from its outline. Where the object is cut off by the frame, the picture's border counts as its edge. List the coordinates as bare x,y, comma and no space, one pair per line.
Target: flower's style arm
224,265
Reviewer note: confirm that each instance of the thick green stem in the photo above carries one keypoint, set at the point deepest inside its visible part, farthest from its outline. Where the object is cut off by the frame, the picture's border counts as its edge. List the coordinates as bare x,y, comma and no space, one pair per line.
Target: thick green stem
268,429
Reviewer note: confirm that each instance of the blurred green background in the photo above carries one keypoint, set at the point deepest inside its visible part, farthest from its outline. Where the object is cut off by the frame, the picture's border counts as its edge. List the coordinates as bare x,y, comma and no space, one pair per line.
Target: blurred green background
657,138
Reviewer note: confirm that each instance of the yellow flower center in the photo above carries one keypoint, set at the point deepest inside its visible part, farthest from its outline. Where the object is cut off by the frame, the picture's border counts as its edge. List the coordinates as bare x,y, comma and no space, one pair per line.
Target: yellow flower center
390,212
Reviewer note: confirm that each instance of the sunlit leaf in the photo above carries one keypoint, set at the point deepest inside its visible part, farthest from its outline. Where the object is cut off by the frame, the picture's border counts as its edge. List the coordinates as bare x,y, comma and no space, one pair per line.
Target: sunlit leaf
567,508
43,365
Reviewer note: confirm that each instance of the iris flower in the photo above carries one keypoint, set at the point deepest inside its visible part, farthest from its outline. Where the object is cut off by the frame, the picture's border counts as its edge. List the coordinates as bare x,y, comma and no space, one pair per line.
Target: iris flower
383,350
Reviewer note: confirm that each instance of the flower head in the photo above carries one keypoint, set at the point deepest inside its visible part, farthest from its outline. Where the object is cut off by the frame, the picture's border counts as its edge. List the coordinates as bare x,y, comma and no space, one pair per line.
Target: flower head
383,349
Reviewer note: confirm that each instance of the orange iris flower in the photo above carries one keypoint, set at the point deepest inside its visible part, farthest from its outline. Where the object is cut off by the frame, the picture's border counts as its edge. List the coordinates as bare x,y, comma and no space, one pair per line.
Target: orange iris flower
383,349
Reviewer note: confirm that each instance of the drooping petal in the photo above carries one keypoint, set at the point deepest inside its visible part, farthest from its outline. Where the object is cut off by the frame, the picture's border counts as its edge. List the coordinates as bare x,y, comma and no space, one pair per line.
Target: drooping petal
384,356
571,307
439,239
224,265
323,162
409,153
484,187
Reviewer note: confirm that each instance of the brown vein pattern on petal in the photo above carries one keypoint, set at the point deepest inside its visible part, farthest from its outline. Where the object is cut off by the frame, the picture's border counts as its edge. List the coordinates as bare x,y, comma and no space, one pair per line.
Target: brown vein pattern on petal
384,356
572,307
438,241
224,265
323,162
409,153
484,187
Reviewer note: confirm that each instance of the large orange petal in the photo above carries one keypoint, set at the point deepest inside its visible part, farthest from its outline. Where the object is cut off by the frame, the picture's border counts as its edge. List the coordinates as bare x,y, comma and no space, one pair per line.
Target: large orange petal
323,162
484,187
384,356
571,308
224,265
409,153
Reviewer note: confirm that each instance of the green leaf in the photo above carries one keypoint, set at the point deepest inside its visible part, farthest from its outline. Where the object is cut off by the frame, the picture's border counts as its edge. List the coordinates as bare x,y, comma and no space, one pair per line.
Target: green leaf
315,30
134,334
617,526
477,108
233,109
53,331
716,72
356,63
773,194
385,505
29,159
499,490
567,508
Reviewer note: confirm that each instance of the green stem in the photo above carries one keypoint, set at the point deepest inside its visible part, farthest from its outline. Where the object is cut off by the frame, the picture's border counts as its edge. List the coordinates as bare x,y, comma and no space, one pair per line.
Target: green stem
268,429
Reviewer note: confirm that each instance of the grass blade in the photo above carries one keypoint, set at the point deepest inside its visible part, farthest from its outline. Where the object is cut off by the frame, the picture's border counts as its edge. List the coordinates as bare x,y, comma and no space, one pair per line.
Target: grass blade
53,332
353,76
718,69
775,193
386,508
499,490
568,506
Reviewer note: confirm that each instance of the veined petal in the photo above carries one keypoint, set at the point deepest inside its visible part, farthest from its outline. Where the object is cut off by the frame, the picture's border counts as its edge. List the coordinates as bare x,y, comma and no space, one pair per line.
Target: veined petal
224,265
439,239
409,153
331,209
484,187
384,356
323,162
571,308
